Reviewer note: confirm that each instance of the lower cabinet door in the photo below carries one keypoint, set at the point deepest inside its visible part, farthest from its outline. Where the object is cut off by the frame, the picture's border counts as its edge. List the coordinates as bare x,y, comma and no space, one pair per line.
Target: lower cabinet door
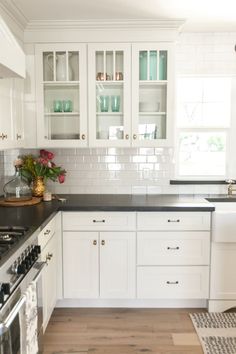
173,282
223,274
80,264
49,280
117,265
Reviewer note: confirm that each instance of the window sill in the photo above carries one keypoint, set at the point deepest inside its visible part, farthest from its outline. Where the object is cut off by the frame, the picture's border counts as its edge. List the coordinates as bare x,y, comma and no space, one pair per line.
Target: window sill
182,181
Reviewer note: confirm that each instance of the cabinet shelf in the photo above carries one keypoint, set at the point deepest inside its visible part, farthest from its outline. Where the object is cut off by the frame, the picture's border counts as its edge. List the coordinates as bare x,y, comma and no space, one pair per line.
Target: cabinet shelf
109,113
62,114
61,83
110,82
152,113
153,82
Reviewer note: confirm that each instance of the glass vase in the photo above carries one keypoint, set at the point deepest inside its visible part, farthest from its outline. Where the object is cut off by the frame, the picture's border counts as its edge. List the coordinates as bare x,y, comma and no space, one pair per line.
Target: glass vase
17,189
38,186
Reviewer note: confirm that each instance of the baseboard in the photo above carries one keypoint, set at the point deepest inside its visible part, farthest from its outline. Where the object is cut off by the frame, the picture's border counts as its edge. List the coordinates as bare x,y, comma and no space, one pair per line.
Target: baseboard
220,305
135,303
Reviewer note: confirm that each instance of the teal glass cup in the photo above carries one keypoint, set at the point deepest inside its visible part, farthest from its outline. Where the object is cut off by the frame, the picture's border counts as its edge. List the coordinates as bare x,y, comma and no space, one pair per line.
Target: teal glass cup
115,103
104,103
57,106
67,106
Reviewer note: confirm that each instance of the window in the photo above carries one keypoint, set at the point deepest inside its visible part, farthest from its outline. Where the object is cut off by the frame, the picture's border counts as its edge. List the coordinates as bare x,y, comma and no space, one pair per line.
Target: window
203,123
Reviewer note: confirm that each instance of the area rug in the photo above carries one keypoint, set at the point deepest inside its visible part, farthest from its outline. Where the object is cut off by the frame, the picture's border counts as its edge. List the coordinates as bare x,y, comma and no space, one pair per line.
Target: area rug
216,331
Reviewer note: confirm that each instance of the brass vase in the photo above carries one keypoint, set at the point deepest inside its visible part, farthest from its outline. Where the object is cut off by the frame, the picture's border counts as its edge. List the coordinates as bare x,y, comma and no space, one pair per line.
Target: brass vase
38,187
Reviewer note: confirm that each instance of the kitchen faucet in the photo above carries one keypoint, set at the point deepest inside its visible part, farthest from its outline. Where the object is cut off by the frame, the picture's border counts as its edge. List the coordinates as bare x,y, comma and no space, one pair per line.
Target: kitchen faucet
231,189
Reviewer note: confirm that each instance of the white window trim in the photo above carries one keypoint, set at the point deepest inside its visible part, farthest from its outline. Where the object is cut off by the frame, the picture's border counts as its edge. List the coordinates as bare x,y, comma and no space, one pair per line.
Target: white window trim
230,143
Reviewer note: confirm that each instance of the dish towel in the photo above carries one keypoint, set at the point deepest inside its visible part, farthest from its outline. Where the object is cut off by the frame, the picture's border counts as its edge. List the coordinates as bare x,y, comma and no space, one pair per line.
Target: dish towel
31,320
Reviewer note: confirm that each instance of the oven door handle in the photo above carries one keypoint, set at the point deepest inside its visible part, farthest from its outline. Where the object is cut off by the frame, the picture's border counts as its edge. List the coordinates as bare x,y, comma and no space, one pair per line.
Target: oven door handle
5,325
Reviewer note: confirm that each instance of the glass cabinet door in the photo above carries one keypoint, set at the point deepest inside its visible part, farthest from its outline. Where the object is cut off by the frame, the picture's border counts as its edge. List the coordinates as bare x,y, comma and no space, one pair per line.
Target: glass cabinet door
151,79
61,85
109,95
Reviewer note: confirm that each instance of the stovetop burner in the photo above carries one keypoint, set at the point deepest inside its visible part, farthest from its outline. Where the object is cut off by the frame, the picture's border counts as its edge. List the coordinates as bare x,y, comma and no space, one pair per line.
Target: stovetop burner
9,235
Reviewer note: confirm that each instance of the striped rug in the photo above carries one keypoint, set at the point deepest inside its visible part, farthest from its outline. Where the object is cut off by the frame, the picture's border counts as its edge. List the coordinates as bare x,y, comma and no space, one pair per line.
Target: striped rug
216,331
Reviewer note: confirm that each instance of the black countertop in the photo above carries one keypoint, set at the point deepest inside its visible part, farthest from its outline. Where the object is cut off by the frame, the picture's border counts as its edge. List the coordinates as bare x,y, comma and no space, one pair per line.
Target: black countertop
38,215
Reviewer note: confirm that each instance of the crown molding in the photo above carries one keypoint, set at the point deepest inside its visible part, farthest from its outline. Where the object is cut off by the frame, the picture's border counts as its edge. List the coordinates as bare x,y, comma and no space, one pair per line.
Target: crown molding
160,24
14,13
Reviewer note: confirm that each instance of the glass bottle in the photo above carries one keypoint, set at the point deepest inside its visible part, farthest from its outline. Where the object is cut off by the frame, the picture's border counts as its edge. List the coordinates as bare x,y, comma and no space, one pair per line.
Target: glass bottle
17,189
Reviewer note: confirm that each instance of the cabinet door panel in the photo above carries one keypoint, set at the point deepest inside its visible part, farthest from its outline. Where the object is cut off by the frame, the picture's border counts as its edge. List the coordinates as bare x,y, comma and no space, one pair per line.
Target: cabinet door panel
223,275
173,282
117,265
173,248
80,264
49,280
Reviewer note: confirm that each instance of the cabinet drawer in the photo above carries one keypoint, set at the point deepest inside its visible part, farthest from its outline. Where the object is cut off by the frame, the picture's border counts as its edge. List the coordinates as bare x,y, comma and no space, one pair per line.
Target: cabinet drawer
46,233
173,221
173,248
173,282
99,221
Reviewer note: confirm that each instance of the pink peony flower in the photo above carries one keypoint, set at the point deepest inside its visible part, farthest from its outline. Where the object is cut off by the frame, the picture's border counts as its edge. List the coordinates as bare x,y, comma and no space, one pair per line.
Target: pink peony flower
61,178
46,154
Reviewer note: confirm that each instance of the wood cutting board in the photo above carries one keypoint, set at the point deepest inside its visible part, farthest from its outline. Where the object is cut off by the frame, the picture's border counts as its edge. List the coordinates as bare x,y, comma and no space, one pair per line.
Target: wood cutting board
33,201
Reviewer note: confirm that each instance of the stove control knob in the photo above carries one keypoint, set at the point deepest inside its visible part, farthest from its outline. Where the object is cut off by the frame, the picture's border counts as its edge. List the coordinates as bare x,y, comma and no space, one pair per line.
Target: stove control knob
33,256
5,287
21,268
1,297
37,249
28,261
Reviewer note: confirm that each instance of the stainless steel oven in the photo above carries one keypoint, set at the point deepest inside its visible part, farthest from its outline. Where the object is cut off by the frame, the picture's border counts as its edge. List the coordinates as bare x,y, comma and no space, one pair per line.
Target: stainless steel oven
22,268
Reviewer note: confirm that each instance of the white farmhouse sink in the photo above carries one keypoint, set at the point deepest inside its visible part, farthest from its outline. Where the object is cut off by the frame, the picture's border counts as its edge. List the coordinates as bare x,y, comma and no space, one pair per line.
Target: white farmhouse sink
224,222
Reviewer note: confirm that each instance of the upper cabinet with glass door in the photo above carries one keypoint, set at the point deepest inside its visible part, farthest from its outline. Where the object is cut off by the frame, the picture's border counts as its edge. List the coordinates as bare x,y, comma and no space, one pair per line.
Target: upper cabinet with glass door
109,94
61,95
152,87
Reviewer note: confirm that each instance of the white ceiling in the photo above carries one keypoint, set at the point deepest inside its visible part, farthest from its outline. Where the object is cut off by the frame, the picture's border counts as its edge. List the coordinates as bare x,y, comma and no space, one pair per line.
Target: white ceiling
200,15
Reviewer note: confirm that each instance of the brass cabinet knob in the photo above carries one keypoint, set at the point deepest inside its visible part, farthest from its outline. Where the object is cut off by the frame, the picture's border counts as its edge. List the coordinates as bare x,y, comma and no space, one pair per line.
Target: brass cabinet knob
127,136
18,136
3,136
103,242
47,232
49,257
134,136
83,136
94,242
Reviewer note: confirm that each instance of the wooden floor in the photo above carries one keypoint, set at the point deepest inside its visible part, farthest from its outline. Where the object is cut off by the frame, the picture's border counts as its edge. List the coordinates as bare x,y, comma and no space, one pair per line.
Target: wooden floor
121,331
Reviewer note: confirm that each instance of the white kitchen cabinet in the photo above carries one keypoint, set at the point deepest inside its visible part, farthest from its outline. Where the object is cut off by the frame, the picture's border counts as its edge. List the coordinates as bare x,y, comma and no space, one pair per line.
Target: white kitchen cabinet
173,282
81,264
11,113
173,255
223,275
99,263
117,265
109,78
49,279
173,248
48,241
18,112
6,121
152,94
61,92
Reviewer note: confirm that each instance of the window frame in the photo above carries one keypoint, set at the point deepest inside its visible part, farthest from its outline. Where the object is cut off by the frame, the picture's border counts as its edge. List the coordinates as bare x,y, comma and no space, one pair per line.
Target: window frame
205,129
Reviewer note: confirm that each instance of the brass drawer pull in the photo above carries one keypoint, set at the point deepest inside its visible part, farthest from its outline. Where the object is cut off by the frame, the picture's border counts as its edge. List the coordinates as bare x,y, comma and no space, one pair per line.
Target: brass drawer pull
49,257
127,136
172,282
103,242
134,136
95,242
83,136
99,220
173,248
47,232
169,220
18,136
